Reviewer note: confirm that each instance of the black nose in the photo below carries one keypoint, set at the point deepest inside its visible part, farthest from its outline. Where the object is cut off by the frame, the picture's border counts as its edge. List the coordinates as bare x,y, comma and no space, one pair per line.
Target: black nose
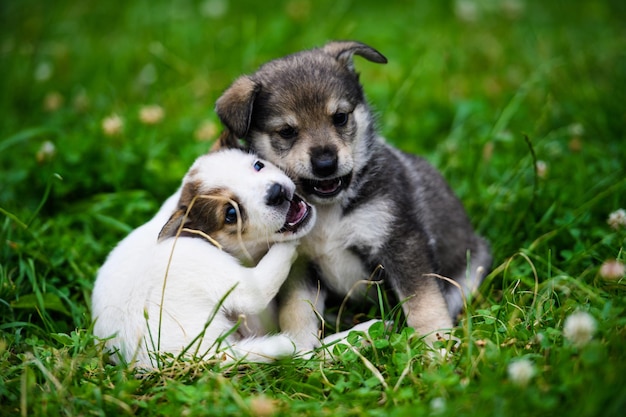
276,195
324,161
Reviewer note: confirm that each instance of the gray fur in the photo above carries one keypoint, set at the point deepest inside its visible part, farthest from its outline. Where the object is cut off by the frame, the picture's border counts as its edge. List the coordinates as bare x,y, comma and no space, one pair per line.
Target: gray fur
376,204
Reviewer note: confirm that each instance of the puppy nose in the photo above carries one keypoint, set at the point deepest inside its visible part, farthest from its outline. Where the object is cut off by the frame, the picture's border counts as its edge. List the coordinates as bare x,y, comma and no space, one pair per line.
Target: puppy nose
324,162
276,195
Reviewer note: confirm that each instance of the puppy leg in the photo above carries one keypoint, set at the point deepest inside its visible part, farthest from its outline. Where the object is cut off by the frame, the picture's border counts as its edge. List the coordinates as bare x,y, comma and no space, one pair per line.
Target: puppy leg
468,278
426,309
259,285
301,304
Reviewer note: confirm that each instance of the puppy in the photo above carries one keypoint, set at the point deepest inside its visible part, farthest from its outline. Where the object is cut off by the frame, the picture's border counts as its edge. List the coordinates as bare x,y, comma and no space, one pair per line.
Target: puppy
178,285
376,206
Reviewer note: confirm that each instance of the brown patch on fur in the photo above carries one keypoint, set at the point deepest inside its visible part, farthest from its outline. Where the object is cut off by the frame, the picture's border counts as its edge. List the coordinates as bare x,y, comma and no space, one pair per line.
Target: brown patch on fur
204,211
193,172
429,311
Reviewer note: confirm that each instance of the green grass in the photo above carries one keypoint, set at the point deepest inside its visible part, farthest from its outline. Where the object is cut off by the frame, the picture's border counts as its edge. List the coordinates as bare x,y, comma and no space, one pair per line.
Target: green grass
482,92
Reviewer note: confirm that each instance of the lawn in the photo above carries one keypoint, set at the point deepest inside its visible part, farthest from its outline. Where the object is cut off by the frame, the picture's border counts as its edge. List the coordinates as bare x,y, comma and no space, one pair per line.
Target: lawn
521,104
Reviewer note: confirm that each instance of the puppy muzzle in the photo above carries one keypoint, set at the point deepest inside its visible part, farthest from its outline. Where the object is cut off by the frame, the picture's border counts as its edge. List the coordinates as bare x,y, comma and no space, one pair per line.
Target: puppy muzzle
277,195
299,214
326,188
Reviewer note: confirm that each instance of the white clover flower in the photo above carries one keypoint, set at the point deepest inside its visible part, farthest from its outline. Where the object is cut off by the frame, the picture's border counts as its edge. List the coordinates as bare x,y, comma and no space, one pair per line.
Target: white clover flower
576,129
521,371
214,8
46,152
438,405
538,338
466,10
612,269
542,169
43,72
112,125
579,328
151,115
617,219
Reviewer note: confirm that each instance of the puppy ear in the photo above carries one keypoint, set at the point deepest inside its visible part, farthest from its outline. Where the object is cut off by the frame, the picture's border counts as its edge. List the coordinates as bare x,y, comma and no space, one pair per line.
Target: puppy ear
234,108
173,224
343,52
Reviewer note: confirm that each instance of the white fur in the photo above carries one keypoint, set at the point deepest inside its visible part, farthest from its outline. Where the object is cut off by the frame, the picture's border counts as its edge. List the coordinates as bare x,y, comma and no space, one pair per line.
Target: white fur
326,244
158,296
360,148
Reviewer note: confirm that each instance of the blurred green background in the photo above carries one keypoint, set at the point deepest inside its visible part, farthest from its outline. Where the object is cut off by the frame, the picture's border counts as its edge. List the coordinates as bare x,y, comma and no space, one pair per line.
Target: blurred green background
454,67
520,103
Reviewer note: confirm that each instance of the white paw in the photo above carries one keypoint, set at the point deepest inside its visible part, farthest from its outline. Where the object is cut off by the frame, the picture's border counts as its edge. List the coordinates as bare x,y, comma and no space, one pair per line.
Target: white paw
283,252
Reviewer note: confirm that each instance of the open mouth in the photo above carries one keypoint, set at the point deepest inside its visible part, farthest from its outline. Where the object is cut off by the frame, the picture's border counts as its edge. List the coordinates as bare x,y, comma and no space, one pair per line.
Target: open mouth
297,216
326,188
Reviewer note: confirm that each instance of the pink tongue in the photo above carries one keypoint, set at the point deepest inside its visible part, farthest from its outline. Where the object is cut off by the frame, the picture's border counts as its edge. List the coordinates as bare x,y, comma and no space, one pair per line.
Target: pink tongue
297,210
327,186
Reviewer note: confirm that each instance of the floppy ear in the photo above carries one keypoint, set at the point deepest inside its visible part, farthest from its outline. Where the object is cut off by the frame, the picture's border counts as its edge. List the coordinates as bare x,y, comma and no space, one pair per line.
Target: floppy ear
173,224
234,108
343,51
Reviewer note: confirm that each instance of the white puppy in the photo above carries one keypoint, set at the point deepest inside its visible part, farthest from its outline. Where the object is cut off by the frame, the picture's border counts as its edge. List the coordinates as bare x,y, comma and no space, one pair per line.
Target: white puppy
219,248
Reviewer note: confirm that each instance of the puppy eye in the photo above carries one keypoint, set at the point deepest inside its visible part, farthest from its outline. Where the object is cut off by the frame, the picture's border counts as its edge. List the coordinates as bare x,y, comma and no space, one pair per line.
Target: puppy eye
288,132
340,119
230,215
258,165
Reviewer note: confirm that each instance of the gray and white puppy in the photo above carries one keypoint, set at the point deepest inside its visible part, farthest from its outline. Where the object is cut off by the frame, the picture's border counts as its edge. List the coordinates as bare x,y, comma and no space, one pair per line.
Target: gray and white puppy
376,205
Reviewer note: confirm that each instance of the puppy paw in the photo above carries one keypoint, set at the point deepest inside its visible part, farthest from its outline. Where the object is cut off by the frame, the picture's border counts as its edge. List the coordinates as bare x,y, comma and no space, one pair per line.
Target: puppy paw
263,349
283,252
306,349
273,269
